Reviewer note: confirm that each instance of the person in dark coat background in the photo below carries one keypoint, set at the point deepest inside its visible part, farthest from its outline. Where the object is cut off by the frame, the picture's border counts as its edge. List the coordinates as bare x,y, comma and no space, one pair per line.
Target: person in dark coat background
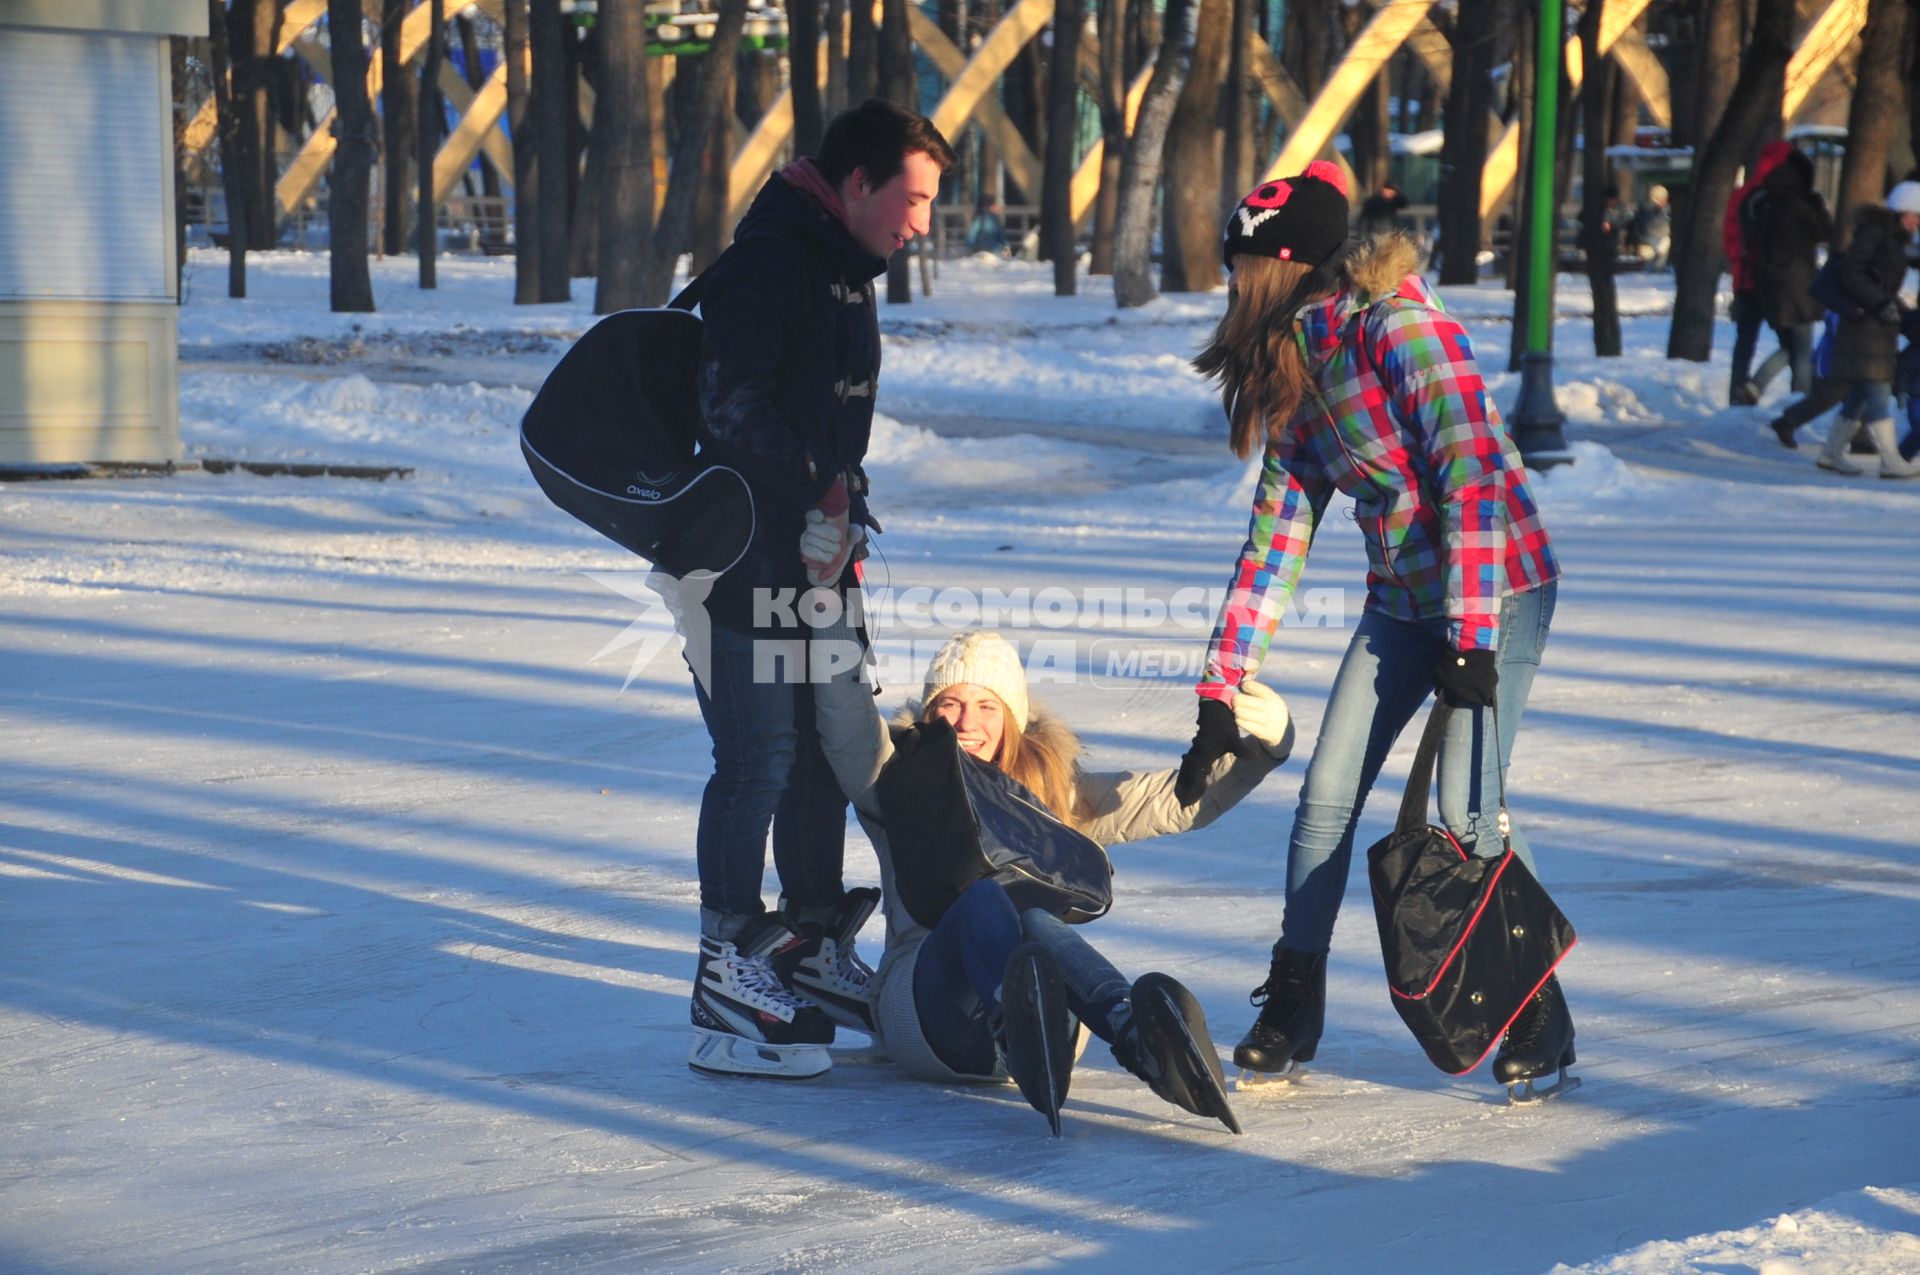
1744,388
1787,222
789,365
1866,348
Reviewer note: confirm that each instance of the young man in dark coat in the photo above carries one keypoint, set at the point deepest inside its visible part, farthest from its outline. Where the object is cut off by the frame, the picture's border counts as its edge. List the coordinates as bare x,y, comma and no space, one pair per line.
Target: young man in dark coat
1789,221
1867,347
788,371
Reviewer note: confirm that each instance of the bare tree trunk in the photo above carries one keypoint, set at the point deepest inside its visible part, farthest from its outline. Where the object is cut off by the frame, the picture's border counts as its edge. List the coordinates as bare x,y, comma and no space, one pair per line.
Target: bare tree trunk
526,159
350,182
710,95
1463,150
250,27
470,48
1057,236
1140,172
433,122
1717,66
1625,126
233,176
1523,79
863,53
398,116
1879,101
1367,129
623,156
1113,129
897,85
547,114
582,241
803,64
1190,214
1761,86
1241,109
1307,50
836,59
1595,116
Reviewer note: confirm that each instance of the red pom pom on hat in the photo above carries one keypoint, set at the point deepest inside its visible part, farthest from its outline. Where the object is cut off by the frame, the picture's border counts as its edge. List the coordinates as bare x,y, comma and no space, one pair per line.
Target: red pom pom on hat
1329,173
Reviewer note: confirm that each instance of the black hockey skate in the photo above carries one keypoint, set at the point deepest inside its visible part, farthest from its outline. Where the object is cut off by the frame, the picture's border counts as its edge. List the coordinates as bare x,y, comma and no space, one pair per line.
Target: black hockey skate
1037,1030
822,966
1293,1013
1166,1044
744,1022
1538,1043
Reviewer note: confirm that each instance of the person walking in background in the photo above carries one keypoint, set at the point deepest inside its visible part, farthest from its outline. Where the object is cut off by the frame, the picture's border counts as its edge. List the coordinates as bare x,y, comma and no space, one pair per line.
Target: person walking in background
1380,212
789,364
988,230
1343,368
1788,221
1744,389
1866,355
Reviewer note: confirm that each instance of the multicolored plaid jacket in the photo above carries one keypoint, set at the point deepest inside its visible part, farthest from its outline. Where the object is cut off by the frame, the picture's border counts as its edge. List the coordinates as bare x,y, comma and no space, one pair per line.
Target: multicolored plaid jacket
1403,424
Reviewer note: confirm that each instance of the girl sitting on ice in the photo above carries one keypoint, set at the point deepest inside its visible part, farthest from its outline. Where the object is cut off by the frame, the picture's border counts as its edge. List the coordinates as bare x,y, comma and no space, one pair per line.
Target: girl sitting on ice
987,988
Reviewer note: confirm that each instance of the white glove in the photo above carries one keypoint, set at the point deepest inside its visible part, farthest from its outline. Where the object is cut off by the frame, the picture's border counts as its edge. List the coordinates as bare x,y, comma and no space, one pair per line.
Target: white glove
1259,711
826,543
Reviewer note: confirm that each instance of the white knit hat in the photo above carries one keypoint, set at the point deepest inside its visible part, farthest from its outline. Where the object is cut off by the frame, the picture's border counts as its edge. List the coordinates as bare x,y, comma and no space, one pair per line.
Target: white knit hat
1905,198
984,659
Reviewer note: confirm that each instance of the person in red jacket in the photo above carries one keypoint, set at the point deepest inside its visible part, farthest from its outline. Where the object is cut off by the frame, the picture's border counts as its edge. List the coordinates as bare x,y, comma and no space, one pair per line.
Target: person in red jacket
1749,313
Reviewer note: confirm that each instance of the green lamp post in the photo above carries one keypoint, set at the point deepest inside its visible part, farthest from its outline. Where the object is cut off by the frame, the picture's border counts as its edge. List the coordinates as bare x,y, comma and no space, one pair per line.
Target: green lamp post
1536,418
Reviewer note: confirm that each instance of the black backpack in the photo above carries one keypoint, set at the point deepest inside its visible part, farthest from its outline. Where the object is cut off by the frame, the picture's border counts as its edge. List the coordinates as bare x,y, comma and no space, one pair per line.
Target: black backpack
610,438
952,819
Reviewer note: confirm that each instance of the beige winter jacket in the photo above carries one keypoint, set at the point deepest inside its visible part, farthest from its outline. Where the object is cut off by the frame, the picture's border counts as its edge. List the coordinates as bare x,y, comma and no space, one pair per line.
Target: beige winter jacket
1125,806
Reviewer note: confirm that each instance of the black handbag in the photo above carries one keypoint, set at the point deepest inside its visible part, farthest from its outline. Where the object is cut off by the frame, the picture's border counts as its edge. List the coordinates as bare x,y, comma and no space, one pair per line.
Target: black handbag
952,819
1466,940
610,439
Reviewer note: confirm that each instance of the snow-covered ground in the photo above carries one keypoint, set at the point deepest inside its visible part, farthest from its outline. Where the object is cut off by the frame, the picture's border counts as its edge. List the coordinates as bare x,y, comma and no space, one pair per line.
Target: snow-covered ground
347,903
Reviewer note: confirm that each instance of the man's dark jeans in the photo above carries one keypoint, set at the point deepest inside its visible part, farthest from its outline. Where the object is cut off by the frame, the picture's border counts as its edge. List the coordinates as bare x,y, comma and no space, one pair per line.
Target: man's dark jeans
768,770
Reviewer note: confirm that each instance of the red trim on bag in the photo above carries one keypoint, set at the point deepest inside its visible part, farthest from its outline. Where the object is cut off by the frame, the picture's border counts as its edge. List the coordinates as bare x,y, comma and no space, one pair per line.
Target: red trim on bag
1502,1033
1493,883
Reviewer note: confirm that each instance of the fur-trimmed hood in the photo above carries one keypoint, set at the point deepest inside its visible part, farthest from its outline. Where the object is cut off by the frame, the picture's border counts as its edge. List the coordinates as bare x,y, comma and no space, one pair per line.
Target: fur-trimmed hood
1882,216
1382,264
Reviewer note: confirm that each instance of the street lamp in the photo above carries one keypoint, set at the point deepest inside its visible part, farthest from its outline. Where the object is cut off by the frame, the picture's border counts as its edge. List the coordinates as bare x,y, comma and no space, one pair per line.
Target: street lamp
1536,418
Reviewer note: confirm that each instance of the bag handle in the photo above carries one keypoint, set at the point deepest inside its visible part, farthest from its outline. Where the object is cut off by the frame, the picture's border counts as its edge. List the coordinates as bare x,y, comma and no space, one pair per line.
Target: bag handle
689,296
1426,759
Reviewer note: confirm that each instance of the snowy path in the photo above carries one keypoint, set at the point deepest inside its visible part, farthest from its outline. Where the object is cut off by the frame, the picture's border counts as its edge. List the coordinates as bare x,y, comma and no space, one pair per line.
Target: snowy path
346,905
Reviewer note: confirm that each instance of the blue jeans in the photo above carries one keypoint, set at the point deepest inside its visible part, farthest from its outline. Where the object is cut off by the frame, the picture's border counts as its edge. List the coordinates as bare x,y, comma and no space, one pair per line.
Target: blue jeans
1868,401
1910,385
1386,676
1796,350
956,977
768,770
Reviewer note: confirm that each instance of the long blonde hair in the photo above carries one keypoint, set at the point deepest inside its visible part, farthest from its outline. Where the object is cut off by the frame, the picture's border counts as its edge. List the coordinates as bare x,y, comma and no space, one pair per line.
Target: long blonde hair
1036,761
1254,355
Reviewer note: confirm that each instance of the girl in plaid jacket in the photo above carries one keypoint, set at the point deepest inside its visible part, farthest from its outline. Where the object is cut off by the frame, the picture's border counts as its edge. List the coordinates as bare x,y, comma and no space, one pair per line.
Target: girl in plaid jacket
1340,363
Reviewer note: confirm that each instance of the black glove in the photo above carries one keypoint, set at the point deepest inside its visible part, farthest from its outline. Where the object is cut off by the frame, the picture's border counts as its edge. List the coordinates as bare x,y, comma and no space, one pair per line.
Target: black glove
1465,679
1214,737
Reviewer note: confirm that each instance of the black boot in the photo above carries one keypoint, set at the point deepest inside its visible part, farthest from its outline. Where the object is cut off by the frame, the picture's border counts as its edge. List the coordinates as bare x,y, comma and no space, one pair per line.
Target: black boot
1166,1044
1293,1012
1538,1043
1037,1033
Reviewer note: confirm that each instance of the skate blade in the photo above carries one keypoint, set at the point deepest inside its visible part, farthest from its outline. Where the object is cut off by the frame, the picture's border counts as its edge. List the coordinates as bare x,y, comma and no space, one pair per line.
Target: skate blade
1521,1093
719,1054
1248,1081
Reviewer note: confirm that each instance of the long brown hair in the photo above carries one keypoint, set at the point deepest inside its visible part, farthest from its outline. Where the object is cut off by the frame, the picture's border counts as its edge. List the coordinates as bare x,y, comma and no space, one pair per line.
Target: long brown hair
1035,759
1253,354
